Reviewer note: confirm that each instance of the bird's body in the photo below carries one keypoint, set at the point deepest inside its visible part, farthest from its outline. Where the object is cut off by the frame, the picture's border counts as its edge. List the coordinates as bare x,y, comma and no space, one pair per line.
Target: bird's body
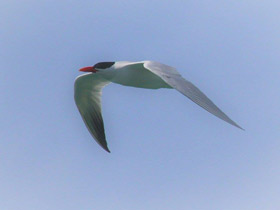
143,74
133,74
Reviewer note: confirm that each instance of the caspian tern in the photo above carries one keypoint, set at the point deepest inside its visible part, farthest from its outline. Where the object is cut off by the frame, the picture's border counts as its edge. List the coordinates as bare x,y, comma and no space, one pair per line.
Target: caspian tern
143,74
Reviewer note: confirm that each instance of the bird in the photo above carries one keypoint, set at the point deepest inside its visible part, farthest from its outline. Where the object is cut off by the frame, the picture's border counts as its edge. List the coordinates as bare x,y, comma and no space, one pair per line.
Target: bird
142,74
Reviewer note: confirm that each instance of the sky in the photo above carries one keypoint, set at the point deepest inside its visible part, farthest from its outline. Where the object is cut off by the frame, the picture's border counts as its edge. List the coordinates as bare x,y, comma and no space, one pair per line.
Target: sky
166,152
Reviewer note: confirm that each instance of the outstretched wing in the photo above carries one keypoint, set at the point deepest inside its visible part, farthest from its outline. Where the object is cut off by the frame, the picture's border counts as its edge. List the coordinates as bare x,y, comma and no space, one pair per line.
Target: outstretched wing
175,80
88,91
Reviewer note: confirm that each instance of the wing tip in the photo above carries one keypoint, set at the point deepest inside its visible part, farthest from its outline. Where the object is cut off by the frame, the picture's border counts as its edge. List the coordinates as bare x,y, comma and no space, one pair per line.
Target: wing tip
236,125
240,128
106,149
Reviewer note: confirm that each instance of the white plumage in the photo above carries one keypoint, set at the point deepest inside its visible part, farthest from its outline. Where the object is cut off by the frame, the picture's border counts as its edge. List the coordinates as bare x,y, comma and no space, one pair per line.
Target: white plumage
143,74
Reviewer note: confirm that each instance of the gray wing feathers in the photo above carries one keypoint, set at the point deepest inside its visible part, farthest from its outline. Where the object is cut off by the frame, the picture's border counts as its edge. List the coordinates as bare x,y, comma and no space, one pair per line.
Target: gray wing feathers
175,80
88,89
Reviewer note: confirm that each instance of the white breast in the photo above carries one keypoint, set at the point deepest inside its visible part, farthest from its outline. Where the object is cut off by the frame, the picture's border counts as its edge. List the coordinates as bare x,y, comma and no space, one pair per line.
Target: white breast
135,75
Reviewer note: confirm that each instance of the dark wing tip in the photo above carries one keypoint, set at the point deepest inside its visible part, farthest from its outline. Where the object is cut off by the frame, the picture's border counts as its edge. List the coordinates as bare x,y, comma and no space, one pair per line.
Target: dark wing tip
106,148
228,120
238,127
241,128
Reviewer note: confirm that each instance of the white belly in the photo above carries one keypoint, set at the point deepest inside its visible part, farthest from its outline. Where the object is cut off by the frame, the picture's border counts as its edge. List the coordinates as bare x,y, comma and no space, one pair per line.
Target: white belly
138,76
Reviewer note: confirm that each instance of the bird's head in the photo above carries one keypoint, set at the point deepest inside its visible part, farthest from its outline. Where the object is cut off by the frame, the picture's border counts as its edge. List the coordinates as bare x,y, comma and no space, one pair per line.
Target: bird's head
98,67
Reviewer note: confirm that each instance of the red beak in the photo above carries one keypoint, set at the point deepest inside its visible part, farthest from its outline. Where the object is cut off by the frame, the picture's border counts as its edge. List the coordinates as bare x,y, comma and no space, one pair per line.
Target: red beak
88,69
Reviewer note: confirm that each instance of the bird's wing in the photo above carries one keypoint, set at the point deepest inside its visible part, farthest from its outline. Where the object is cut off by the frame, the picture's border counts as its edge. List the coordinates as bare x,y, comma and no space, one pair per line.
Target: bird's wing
172,77
88,91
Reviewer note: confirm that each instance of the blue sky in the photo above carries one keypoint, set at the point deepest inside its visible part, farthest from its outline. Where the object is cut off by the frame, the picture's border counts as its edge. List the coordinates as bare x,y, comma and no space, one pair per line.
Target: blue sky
167,153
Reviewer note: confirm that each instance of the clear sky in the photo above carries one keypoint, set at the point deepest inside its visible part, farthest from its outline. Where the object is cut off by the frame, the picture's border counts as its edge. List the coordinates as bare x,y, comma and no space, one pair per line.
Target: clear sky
167,152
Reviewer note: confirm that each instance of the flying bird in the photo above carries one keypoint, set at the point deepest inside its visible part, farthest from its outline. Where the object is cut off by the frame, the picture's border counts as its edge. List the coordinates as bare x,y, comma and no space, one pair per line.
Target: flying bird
143,74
